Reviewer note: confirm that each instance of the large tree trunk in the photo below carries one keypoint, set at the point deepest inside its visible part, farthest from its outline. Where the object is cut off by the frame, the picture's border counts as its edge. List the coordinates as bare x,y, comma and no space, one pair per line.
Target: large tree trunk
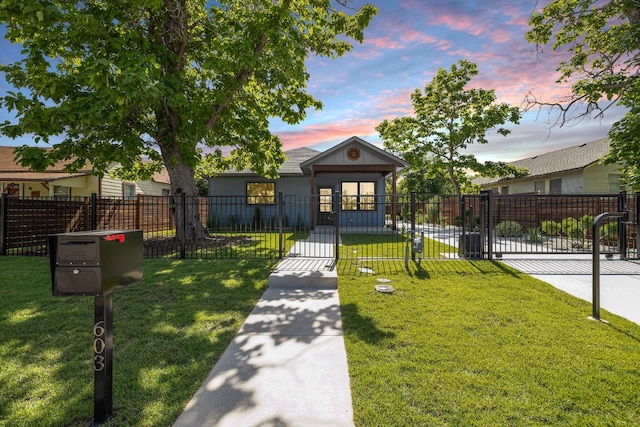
454,181
185,202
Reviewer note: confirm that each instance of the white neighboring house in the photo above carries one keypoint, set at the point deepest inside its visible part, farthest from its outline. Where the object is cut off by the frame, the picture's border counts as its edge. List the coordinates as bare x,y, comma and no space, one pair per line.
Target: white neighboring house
54,182
573,170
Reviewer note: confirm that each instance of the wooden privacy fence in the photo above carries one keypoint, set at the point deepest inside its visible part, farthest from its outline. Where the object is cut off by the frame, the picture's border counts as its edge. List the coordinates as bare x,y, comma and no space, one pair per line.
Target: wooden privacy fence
26,222
531,210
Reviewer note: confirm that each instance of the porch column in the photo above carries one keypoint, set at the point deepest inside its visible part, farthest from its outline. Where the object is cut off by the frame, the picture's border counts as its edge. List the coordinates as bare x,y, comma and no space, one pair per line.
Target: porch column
394,200
312,195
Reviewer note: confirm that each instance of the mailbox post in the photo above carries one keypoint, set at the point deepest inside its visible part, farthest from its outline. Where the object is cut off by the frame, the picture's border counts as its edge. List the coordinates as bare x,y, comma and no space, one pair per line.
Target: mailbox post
96,263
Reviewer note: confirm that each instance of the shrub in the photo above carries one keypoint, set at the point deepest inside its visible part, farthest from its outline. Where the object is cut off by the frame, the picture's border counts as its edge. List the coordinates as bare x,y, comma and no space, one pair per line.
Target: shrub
571,227
534,235
508,229
609,231
586,222
550,228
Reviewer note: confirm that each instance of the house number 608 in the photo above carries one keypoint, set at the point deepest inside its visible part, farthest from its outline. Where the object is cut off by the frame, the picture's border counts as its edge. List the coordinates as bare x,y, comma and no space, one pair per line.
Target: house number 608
98,346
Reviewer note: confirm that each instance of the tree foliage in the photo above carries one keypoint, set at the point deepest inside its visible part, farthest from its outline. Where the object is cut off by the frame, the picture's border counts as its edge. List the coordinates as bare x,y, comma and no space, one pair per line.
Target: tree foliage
118,81
448,118
602,40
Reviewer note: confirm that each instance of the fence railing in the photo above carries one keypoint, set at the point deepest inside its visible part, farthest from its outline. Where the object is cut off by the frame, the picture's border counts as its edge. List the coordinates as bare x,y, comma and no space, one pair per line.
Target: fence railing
361,227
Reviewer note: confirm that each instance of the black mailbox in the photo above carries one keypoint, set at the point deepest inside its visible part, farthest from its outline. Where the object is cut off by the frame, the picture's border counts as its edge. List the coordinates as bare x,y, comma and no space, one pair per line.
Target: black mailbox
95,262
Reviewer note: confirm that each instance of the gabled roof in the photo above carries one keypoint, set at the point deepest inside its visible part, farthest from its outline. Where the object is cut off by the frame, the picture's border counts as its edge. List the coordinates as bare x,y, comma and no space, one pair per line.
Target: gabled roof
299,160
399,163
564,160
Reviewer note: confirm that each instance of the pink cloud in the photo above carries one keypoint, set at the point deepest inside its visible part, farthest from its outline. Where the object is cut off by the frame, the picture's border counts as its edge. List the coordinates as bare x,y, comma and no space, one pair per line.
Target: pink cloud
385,42
322,133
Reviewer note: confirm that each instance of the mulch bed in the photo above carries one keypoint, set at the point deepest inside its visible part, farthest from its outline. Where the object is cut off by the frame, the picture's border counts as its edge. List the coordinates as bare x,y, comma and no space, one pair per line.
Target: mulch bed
156,246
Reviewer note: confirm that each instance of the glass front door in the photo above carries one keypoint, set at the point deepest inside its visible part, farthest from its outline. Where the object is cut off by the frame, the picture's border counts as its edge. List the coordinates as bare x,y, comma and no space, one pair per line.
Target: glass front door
325,206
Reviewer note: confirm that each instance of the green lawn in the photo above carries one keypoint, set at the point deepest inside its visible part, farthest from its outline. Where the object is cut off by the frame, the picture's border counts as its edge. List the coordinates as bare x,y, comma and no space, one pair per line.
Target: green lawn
169,330
388,246
460,343
463,343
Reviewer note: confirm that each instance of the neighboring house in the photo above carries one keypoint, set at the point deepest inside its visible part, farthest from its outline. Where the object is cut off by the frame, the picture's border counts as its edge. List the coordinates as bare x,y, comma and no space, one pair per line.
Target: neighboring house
354,168
573,170
54,182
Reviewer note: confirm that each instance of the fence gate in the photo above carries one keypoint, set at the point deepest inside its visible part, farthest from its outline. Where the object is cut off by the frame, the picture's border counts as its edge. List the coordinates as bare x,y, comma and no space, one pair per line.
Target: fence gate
559,224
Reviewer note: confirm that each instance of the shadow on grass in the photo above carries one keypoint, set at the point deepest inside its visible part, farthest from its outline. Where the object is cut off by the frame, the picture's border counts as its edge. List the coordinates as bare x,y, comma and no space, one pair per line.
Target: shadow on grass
363,327
169,330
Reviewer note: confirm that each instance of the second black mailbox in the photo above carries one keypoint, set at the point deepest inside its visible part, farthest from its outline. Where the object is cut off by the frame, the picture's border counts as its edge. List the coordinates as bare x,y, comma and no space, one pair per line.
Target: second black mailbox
95,262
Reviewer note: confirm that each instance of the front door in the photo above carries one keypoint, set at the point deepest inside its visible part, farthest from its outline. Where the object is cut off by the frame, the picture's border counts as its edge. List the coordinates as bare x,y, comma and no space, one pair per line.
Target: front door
325,206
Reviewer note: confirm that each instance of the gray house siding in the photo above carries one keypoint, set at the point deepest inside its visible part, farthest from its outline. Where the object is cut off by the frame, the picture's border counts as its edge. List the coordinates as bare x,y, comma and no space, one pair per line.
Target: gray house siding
354,161
228,201
357,218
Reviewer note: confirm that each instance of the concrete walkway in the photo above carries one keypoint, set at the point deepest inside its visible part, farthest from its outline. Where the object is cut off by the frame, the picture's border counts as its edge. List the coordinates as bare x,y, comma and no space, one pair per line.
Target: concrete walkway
619,280
287,366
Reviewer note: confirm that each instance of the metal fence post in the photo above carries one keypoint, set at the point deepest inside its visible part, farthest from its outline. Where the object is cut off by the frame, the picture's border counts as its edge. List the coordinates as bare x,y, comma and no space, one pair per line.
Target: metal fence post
412,233
280,221
4,210
336,224
637,223
622,227
490,223
183,239
483,222
94,211
462,249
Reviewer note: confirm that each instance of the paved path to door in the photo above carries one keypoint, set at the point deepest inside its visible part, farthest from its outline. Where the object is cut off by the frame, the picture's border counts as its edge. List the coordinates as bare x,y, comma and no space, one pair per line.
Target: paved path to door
287,366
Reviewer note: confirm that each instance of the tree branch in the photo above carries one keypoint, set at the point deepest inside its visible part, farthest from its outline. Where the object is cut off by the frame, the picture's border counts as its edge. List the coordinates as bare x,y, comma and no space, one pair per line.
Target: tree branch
242,76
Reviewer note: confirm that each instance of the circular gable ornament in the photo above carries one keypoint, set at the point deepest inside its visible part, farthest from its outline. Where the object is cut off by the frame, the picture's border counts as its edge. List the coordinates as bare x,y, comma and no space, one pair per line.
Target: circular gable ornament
353,153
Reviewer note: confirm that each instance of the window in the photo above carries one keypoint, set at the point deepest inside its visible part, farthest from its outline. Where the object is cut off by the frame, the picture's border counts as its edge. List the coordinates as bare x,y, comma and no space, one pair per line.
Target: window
504,190
539,187
358,196
129,191
615,184
326,200
555,186
61,192
166,192
261,193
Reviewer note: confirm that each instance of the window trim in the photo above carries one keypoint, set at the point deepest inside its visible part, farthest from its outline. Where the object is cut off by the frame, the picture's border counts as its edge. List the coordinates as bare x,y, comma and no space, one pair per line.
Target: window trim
552,186
258,199
357,199
131,185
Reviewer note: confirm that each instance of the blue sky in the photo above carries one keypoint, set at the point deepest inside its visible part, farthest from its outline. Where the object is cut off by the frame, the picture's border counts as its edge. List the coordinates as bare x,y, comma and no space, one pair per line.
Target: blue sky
404,46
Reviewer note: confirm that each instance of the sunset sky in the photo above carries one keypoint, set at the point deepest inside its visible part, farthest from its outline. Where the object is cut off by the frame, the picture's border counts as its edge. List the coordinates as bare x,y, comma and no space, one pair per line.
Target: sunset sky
404,46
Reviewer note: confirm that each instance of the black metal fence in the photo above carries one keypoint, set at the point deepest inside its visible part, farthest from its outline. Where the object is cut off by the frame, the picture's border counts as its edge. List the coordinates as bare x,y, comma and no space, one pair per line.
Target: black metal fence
368,227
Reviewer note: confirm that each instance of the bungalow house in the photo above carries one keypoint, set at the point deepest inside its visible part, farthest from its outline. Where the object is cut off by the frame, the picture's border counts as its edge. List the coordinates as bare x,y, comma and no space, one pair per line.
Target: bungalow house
55,182
309,178
573,170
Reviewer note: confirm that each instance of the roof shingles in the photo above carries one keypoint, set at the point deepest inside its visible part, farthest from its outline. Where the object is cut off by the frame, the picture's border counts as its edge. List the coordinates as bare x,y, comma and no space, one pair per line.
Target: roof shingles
572,158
